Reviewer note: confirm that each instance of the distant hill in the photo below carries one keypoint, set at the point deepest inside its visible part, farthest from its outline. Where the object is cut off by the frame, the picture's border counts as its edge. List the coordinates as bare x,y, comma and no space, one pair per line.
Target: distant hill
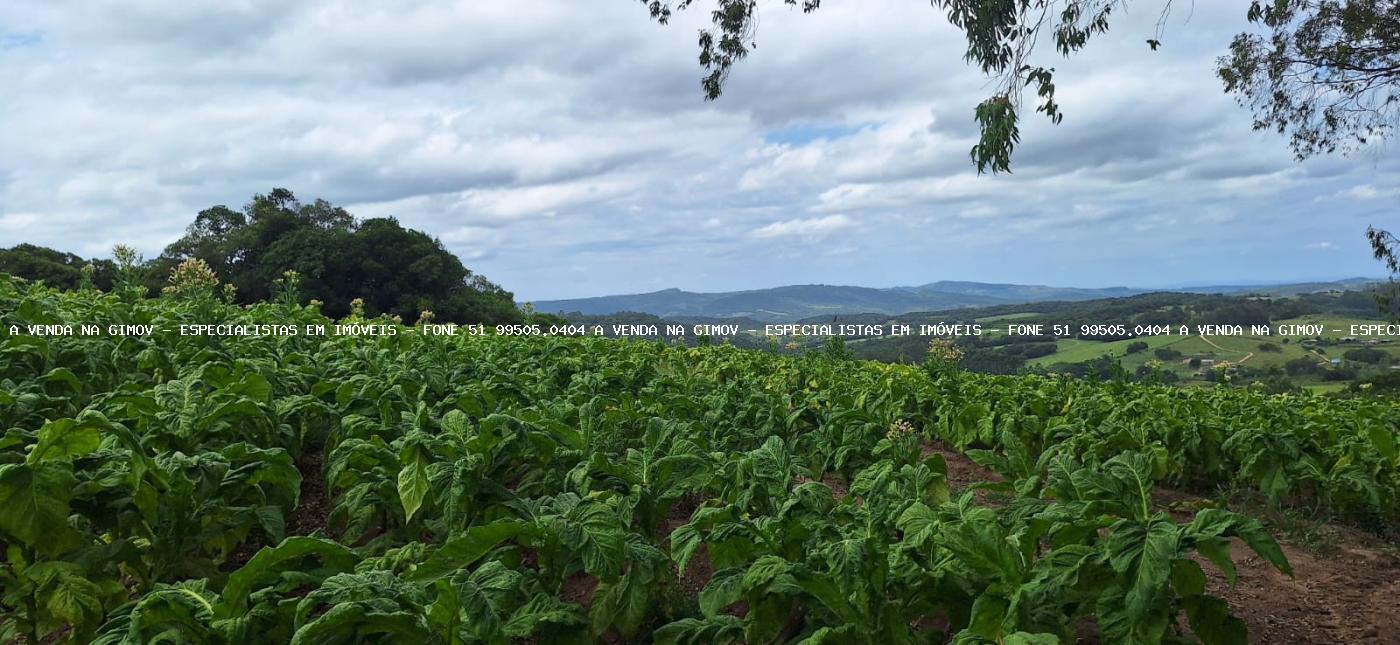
1291,289
791,303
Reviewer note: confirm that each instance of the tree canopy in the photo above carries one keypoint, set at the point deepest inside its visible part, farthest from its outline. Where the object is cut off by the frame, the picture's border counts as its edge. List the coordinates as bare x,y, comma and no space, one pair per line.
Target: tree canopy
338,258
54,268
1327,75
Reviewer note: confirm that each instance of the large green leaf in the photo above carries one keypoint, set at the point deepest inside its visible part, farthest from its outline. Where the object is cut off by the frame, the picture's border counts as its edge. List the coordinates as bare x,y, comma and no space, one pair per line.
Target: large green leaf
1134,471
456,422
350,623
461,551
1383,439
65,439
725,588
693,631
545,611
1217,550
34,504
918,523
1212,622
1211,524
413,483
622,604
988,613
75,600
1143,555
685,541
1118,625
269,562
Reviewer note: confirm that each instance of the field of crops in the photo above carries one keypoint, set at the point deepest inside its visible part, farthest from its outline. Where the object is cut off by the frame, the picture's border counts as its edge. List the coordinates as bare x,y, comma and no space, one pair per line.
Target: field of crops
489,489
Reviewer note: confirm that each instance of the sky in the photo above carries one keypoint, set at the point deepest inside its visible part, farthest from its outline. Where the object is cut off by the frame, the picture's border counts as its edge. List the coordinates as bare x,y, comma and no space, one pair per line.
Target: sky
563,148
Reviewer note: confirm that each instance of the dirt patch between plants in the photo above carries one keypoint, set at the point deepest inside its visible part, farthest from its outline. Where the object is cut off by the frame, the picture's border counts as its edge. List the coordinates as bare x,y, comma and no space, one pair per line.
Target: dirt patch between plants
579,588
698,570
840,488
313,507
1352,596
964,472
314,503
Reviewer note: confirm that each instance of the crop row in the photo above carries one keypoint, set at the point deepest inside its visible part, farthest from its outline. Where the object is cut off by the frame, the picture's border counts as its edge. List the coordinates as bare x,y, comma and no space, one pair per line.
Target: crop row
488,489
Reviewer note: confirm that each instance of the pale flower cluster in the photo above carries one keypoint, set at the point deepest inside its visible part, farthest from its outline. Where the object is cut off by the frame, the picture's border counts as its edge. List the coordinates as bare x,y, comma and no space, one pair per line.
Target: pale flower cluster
127,258
191,278
944,351
899,430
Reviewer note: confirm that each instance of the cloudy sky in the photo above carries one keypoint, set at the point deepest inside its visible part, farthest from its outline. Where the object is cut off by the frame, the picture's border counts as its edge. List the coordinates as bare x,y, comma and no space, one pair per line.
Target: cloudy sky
563,149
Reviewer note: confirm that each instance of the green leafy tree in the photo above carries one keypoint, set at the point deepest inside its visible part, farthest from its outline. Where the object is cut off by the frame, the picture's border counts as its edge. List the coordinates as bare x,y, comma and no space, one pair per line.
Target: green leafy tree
1387,249
1326,74
1166,353
1366,355
54,268
337,258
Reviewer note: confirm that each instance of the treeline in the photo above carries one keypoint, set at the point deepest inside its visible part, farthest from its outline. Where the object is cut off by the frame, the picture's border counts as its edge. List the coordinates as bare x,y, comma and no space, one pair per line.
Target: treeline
338,258
1172,308
1000,354
55,268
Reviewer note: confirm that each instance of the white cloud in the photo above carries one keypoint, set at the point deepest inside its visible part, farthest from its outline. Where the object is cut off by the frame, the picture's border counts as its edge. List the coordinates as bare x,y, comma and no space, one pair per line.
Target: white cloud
816,227
516,203
576,131
475,242
1368,191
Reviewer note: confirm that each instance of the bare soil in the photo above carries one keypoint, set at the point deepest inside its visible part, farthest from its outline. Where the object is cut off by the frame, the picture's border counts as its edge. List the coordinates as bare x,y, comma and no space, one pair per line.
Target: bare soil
698,570
313,507
1352,596
840,488
579,588
314,503
962,472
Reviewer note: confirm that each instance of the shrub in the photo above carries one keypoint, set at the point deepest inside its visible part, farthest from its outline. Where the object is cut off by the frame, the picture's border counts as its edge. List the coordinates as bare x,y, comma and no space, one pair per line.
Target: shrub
1301,365
1366,355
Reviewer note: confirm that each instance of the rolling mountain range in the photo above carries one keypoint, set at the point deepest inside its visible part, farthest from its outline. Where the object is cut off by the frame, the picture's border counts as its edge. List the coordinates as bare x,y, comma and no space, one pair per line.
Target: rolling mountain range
791,303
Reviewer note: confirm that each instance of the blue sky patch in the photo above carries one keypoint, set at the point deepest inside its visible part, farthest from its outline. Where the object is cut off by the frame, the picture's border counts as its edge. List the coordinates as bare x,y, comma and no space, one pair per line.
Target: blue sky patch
802,133
16,40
